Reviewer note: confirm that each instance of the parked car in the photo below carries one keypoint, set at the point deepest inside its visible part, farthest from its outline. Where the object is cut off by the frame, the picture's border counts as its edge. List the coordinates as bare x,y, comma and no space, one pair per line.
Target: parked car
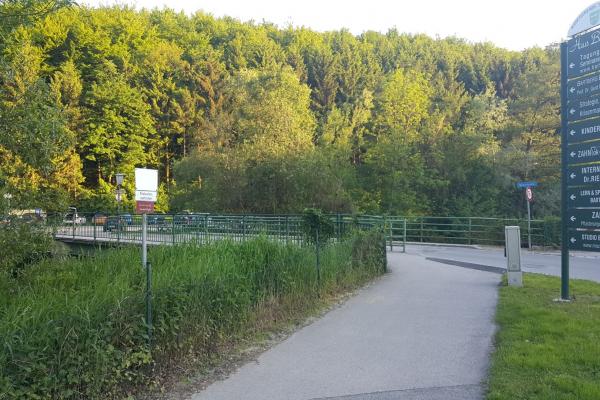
160,221
100,219
128,218
74,218
118,223
33,217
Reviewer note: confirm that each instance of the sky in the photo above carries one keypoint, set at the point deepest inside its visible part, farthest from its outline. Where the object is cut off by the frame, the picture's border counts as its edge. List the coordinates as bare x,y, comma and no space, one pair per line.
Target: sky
512,24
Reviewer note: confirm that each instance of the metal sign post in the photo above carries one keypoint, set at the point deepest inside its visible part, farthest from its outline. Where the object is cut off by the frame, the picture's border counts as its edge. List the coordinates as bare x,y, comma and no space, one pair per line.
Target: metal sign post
580,140
564,268
529,196
144,240
527,185
146,190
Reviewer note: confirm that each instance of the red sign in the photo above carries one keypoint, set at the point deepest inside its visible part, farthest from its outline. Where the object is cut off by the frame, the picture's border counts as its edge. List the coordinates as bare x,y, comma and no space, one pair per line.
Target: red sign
144,207
529,194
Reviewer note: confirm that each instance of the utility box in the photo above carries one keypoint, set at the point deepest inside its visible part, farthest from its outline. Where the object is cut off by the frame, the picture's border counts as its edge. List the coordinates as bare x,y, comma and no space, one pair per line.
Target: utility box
512,240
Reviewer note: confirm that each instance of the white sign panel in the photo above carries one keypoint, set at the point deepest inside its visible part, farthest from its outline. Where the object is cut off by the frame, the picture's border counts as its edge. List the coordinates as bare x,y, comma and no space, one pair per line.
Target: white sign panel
145,195
588,19
146,179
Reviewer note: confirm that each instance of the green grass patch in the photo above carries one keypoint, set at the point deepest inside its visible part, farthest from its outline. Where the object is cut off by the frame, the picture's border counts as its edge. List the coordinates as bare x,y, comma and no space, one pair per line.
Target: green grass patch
75,328
544,349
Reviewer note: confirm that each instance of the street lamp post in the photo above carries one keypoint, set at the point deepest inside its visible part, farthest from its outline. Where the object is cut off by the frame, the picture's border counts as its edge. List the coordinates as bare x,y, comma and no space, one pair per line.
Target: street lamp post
119,177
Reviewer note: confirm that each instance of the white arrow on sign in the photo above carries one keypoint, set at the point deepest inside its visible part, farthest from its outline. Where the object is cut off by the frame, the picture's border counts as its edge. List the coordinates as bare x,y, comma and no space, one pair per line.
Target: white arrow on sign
572,132
573,240
573,218
572,111
573,175
573,154
573,197
572,65
572,90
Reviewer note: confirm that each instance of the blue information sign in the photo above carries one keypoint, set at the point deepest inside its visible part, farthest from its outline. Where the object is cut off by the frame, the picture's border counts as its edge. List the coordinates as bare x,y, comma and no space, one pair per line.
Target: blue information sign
586,152
583,87
580,148
584,240
583,131
584,55
526,184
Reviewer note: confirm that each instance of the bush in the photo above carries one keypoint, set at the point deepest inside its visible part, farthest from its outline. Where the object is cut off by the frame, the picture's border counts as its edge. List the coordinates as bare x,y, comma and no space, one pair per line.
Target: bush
23,243
551,231
76,329
314,223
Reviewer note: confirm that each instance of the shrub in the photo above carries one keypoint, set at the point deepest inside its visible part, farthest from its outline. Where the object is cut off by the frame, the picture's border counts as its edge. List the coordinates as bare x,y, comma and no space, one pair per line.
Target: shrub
551,231
76,329
23,243
314,223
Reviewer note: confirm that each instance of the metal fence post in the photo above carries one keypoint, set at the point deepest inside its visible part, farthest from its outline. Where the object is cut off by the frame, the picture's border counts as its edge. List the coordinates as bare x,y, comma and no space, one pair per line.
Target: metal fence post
421,229
243,228
94,224
287,229
384,255
205,229
404,237
317,252
173,230
470,236
391,236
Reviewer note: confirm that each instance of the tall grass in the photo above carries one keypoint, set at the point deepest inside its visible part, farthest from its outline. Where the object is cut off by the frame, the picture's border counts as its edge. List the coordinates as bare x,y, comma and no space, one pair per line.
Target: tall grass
76,329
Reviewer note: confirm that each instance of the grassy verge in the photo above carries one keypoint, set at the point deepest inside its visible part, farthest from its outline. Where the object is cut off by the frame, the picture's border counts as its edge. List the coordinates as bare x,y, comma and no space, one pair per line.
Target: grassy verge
75,329
547,350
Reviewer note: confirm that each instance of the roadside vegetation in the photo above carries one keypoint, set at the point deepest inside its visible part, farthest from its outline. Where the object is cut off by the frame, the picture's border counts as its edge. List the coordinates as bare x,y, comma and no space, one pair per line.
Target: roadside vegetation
252,118
547,350
76,328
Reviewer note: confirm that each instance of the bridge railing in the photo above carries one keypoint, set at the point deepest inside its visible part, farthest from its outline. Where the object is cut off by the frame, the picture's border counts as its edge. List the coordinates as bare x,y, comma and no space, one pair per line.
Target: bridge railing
203,228
199,228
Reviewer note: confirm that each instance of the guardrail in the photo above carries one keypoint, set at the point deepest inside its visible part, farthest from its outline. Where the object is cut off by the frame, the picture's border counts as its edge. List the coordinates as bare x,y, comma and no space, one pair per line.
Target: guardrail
203,228
479,230
198,228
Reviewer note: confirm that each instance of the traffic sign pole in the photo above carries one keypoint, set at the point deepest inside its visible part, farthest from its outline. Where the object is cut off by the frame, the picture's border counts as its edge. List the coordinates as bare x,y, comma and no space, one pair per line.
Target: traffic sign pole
529,224
144,240
564,269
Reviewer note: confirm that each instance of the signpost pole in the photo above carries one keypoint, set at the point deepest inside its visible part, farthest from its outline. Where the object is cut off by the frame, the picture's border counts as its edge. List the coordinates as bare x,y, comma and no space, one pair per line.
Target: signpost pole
564,270
144,239
529,224
149,302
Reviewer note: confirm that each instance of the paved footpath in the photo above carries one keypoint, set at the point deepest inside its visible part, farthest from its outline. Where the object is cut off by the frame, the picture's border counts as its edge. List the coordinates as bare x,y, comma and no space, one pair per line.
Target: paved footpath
423,331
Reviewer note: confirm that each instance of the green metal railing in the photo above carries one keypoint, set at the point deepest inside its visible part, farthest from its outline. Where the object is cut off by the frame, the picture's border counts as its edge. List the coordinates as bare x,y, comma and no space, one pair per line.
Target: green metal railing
204,228
196,228
479,230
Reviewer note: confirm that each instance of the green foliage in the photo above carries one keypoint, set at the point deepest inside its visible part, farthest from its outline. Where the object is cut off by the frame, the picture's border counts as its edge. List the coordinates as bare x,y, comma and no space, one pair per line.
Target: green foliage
75,328
24,243
386,122
317,227
552,231
228,182
546,349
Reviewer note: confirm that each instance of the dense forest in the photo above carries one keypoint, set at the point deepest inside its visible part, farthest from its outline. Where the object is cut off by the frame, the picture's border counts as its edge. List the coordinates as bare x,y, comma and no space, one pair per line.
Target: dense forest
246,117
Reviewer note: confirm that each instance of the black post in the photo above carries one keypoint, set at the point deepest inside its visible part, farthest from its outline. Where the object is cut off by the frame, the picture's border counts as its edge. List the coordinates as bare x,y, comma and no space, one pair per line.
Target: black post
318,257
564,271
384,249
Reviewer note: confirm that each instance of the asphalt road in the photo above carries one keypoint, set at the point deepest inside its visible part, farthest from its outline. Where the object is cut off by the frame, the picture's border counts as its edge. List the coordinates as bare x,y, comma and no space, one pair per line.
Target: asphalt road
423,331
583,265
